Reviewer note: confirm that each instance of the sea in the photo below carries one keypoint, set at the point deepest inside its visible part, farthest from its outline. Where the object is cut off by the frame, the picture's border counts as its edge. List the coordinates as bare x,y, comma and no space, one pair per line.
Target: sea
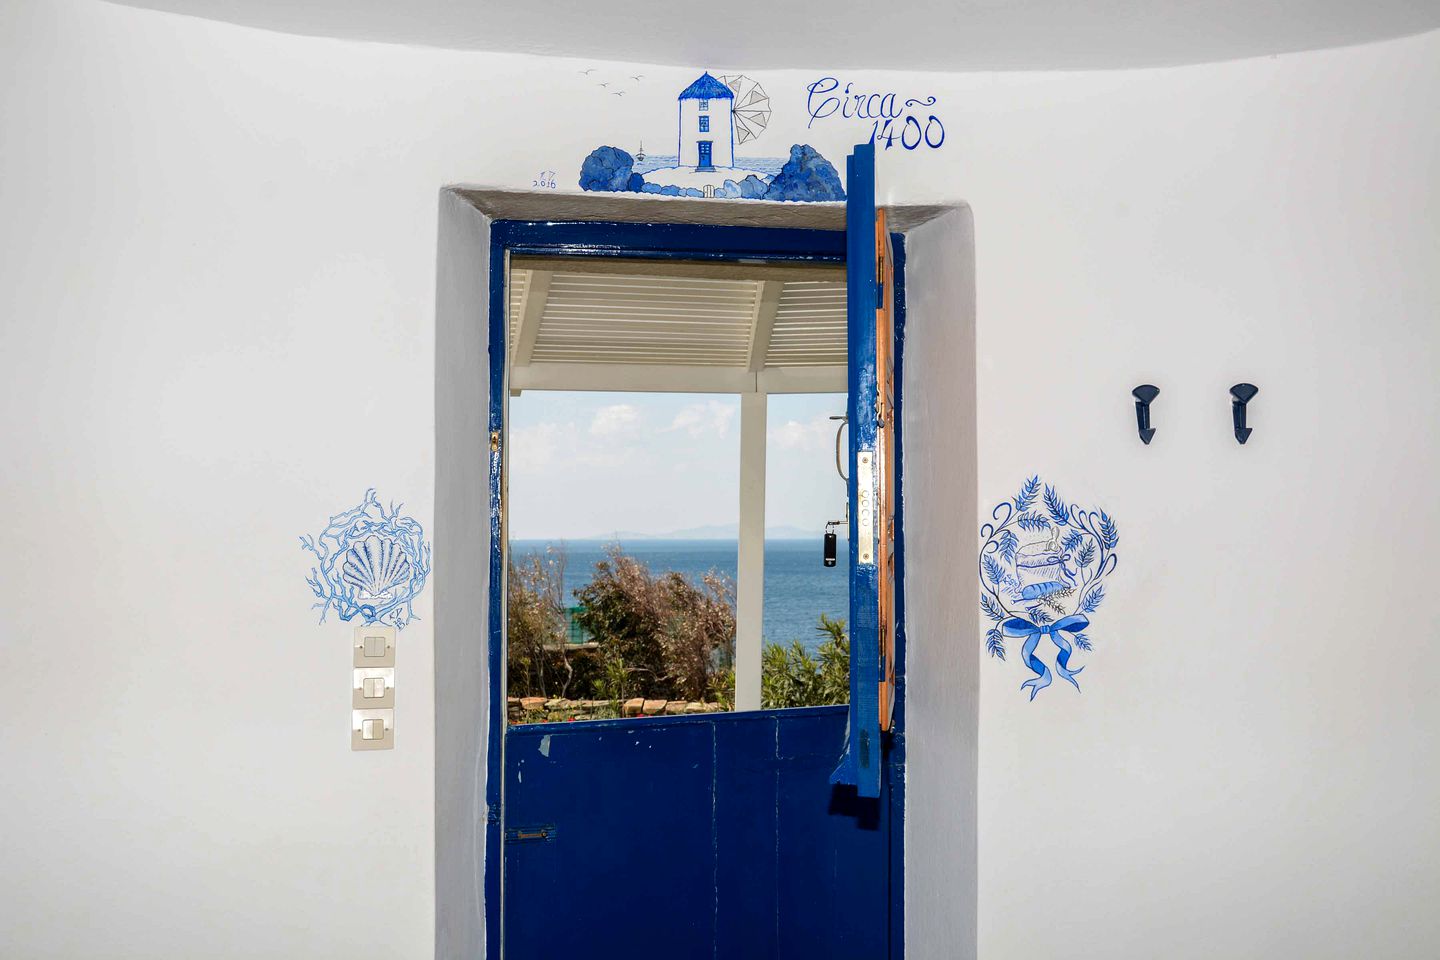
769,166
798,586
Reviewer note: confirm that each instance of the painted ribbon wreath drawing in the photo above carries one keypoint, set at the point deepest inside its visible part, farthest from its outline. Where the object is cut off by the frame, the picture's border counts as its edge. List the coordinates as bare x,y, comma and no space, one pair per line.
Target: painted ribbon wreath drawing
1042,566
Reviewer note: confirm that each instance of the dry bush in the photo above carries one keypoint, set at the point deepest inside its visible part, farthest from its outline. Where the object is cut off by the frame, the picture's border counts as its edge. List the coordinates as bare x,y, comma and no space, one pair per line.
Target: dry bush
662,637
538,625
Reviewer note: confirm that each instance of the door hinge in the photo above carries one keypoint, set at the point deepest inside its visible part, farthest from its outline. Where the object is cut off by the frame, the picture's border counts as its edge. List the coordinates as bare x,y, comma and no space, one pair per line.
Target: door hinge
494,441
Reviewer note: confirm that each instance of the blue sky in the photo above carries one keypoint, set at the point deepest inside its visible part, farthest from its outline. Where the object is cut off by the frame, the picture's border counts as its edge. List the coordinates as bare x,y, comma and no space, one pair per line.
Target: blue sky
588,464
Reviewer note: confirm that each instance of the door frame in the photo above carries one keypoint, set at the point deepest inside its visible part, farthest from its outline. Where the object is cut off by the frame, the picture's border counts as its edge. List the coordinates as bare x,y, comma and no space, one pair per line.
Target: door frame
647,241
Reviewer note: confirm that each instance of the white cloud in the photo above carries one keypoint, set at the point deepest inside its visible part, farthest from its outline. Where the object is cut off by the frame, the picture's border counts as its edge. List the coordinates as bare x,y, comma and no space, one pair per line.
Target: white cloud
704,419
614,420
539,446
817,433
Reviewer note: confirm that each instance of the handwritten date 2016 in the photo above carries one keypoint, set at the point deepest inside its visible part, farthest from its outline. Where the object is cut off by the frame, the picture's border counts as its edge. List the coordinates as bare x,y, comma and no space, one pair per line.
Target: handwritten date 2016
893,121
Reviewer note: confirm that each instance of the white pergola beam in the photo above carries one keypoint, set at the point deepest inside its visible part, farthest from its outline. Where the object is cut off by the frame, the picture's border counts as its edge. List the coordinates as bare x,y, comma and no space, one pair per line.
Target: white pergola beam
829,379
750,561
532,308
672,378
762,322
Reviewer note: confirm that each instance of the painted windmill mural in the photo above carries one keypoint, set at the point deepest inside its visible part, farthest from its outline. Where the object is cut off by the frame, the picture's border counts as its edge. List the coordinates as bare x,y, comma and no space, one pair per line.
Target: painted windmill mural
714,117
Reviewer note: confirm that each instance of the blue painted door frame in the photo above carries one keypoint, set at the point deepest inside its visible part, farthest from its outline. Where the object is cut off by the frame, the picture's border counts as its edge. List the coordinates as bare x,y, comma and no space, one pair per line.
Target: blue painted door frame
804,733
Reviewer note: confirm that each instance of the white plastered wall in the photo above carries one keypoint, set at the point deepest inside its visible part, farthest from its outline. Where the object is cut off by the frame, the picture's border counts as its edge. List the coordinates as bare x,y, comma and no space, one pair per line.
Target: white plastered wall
217,328
1250,768
942,694
462,575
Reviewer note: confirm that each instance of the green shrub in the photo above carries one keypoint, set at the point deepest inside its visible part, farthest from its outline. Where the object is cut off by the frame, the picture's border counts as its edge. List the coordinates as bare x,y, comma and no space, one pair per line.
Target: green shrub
722,688
791,677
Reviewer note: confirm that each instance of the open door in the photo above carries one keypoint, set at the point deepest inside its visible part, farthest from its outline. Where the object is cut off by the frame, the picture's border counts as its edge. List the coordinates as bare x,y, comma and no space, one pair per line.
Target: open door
870,328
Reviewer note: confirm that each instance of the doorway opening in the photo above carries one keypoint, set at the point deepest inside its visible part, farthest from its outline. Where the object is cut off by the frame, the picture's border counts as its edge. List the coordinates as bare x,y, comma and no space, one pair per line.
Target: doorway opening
747,812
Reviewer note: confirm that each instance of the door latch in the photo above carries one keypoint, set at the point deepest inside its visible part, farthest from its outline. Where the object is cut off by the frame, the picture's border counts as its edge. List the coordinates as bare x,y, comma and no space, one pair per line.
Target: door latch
544,833
865,506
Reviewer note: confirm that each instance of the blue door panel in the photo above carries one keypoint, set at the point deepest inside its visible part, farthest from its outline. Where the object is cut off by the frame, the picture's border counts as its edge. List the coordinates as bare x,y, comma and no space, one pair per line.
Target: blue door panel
745,820
626,854
715,836
832,886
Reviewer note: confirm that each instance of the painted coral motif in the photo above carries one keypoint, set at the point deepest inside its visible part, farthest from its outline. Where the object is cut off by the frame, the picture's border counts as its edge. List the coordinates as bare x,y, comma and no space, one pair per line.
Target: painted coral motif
1042,565
372,563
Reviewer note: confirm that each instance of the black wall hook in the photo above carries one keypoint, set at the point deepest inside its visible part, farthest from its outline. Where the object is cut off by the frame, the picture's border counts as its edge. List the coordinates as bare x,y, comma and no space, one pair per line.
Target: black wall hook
1144,395
1242,393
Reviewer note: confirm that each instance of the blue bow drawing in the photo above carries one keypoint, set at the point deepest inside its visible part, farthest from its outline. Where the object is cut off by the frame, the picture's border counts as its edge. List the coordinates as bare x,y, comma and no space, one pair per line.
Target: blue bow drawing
1020,627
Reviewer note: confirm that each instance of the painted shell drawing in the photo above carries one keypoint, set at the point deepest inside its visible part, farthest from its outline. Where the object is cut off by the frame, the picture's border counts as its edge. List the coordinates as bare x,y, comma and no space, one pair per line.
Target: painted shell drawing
371,562
375,567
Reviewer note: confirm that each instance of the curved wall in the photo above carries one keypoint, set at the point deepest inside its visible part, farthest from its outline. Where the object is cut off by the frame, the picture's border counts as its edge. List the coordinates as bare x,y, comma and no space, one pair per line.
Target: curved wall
218,251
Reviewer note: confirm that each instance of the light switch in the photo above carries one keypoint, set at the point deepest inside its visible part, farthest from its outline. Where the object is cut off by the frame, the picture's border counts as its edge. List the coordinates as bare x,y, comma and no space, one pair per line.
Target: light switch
374,645
372,730
373,688
372,691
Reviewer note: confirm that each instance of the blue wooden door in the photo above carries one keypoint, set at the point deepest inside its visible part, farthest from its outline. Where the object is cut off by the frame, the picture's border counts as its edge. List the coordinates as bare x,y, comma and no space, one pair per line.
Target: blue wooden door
705,836
862,763
705,152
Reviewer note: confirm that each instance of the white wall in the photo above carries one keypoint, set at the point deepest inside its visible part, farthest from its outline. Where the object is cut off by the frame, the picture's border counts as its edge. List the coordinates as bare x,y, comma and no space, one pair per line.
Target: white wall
1251,769
217,316
942,688
462,576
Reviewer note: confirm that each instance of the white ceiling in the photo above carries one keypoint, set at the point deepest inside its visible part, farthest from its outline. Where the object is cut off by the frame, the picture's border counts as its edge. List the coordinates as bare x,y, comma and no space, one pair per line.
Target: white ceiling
953,35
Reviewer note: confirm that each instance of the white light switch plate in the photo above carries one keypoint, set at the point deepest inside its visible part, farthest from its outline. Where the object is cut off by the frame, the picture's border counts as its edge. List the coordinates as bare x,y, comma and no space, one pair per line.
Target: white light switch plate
372,730
375,646
368,682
